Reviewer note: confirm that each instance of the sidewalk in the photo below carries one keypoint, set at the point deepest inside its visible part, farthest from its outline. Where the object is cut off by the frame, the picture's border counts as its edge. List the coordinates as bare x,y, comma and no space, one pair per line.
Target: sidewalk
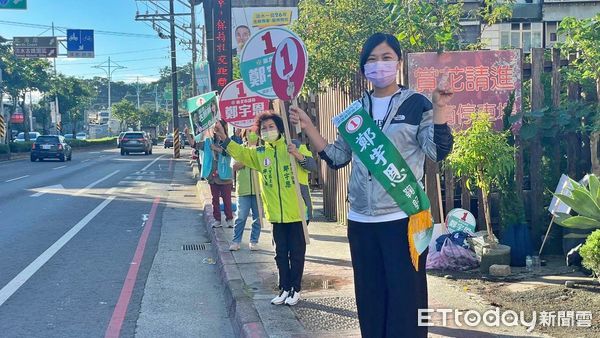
327,307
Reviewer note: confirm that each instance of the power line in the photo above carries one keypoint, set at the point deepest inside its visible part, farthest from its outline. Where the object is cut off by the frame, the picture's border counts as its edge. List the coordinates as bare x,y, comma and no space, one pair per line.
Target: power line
122,61
102,32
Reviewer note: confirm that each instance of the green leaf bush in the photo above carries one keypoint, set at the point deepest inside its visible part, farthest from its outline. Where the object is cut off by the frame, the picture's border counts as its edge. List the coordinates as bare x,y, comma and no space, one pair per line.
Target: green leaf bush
585,202
590,252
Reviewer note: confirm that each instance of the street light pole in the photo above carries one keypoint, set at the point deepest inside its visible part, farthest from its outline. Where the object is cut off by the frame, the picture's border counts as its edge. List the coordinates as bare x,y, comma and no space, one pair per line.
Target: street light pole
109,70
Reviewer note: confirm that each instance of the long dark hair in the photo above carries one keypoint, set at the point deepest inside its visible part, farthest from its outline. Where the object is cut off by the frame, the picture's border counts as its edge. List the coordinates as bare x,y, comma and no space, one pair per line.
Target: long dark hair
374,41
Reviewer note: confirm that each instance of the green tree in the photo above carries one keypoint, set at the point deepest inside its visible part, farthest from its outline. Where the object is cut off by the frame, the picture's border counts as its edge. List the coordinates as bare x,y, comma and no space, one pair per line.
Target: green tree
471,158
149,117
333,32
583,36
125,112
74,97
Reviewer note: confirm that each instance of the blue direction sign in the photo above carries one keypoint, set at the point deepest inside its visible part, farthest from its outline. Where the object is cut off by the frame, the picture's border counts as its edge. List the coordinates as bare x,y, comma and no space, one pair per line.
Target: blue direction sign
13,4
80,43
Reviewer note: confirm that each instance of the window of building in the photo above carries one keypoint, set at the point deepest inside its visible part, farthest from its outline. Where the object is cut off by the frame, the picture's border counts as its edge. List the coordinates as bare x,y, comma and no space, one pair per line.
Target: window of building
552,37
521,35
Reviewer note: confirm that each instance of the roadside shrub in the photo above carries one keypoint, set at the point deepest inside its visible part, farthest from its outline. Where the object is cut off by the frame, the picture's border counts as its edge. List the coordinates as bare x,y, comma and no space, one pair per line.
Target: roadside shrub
4,148
106,141
20,147
590,252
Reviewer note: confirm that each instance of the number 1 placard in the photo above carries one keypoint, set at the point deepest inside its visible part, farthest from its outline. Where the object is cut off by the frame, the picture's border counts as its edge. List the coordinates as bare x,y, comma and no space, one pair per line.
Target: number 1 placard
239,106
257,57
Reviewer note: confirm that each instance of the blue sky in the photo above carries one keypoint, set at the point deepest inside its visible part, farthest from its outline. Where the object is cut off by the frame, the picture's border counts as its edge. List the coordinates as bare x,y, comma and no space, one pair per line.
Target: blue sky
140,49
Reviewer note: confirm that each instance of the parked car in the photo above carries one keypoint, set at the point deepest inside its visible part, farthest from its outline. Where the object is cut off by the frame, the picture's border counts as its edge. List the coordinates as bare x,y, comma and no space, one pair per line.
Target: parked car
33,135
81,136
51,146
69,136
136,141
119,138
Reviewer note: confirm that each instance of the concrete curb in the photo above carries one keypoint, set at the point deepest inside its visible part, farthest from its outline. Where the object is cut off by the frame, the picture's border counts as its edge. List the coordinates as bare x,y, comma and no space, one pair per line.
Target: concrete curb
242,312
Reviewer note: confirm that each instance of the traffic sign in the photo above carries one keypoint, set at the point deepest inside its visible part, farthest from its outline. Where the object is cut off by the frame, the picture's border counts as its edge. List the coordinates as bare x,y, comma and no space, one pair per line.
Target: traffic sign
35,46
80,43
256,59
289,68
239,106
13,4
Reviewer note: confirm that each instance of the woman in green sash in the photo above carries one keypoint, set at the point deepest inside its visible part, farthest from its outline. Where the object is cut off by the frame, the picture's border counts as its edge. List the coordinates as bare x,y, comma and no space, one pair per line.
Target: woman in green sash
386,136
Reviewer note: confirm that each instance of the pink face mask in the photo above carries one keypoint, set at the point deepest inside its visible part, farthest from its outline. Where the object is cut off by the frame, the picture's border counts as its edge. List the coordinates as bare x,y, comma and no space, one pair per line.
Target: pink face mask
381,73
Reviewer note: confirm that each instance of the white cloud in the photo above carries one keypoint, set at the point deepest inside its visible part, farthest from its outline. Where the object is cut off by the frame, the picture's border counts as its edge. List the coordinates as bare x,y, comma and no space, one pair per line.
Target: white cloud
132,78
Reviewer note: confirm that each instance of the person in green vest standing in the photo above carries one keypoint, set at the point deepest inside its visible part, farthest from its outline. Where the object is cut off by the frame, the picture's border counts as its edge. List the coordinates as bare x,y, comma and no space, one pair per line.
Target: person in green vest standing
386,136
272,161
246,198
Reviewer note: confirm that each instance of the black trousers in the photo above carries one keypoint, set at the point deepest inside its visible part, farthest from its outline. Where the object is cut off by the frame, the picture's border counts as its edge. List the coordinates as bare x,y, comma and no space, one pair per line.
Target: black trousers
290,249
388,290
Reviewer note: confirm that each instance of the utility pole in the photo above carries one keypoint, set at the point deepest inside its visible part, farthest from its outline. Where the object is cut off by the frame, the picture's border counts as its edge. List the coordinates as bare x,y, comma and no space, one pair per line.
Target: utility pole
137,91
176,138
194,51
57,118
109,70
156,97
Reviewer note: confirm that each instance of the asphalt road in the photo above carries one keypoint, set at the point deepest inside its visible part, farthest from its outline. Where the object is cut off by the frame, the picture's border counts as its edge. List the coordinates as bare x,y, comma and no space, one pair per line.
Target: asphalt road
77,242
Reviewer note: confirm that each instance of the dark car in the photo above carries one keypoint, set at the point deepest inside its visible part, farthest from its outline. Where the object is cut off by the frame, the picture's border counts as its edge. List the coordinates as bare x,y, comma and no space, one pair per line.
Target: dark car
136,142
168,143
51,146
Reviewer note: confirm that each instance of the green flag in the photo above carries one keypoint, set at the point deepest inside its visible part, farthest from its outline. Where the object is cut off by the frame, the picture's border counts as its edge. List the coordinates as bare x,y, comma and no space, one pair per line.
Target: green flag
203,111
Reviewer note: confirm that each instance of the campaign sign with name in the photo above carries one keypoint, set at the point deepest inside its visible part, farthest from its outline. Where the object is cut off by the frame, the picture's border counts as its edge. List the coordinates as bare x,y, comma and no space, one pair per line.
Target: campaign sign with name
257,57
289,68
460,220
203,110
239,106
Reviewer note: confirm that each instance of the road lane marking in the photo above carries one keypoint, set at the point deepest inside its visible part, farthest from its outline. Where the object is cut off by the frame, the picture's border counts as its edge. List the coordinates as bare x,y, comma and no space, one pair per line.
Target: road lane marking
129,190
9,289
111,191
14,179
62,166
48,189
118,316
85,160
95,183
151,163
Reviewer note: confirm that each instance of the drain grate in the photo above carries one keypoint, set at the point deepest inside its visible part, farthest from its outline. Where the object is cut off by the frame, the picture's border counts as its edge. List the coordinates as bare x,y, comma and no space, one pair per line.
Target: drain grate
195,247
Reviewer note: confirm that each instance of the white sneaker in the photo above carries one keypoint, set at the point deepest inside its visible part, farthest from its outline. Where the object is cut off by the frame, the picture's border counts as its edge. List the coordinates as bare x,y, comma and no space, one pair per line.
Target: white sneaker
229,223
217,224
281,298
253,246
292,298
234,247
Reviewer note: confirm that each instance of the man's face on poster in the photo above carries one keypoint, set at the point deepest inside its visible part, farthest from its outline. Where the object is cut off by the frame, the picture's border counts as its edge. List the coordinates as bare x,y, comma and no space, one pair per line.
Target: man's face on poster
242,35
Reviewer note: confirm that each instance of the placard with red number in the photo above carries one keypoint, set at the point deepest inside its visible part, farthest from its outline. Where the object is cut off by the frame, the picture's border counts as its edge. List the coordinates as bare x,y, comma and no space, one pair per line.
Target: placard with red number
256,59
239,106
289,68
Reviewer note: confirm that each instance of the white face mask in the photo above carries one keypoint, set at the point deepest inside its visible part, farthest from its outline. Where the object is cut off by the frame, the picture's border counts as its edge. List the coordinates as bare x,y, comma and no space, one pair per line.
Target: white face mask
381,73
269,136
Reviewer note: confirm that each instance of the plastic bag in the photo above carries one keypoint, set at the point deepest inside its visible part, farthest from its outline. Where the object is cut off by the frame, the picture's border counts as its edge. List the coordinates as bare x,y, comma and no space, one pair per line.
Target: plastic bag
451,257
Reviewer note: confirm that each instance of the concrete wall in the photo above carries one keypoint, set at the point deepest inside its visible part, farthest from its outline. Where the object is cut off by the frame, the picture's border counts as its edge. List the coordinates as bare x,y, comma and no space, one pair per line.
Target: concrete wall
556,11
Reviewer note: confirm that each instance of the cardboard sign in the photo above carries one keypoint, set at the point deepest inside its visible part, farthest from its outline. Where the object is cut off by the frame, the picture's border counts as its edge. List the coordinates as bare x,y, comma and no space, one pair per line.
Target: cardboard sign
239,106
257,57
203,111
289,68
460,220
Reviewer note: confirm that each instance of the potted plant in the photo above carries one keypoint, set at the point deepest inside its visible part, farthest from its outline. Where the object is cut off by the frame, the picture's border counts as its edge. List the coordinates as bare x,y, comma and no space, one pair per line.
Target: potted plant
484,156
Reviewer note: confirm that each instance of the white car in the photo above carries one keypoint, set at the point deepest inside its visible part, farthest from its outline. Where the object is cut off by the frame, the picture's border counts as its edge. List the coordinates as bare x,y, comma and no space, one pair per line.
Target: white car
81,136
33,135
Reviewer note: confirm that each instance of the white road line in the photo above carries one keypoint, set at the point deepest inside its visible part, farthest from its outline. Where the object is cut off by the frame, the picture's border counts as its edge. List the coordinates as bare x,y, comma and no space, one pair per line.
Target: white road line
95,183
9,289
85,160
111,191
14,179
143,191
138,178
62,166
129,189
48,189
151,163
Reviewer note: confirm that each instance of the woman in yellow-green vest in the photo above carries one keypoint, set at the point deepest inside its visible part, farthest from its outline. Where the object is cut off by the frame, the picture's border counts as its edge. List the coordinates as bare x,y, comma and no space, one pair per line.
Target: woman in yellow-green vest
246,198
272,161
